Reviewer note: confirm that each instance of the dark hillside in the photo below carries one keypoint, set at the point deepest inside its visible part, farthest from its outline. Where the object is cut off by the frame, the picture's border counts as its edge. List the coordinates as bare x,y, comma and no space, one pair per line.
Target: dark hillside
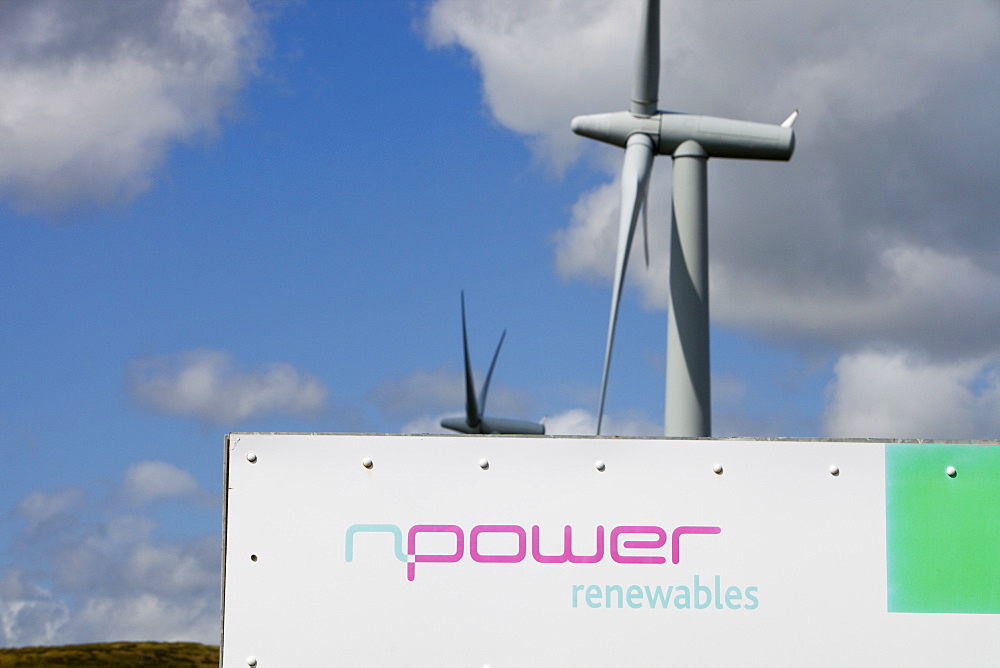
103,655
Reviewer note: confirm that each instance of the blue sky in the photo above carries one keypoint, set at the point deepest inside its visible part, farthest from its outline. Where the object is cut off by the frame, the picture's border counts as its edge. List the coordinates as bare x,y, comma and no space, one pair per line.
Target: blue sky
223,217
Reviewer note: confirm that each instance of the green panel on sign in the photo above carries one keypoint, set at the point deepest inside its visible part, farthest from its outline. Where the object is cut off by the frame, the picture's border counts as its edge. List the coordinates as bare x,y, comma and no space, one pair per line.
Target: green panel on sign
943,532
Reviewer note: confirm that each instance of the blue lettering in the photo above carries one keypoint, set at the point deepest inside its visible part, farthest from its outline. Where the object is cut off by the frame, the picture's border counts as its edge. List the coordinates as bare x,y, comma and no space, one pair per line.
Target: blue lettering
752,600
374,528
658,596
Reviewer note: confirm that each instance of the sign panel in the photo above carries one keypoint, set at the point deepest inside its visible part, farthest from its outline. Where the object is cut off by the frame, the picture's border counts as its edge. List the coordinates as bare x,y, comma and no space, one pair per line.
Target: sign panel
374,550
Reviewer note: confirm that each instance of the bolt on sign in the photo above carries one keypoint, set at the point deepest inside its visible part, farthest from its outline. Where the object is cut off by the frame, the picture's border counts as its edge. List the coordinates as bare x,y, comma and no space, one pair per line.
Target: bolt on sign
374,550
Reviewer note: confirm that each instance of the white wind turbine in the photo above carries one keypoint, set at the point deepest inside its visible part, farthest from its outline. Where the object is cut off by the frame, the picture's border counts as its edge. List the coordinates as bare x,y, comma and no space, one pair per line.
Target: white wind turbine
644,132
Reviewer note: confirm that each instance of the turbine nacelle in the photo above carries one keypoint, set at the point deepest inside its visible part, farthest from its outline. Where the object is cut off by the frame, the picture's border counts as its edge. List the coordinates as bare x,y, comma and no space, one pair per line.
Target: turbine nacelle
491,425
719,137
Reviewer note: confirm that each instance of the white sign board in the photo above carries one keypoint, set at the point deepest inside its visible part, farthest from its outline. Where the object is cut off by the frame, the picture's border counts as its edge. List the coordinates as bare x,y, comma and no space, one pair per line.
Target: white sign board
378,550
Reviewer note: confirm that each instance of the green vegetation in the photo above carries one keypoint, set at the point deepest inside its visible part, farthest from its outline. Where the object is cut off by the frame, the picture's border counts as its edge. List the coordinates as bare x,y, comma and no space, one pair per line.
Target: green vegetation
130,654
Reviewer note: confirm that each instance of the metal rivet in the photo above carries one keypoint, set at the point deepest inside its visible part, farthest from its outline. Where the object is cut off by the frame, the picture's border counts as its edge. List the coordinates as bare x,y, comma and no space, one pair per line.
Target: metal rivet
718,469
483,464
253,557
834,470
951,471
599,465
252,457
367,462
251,661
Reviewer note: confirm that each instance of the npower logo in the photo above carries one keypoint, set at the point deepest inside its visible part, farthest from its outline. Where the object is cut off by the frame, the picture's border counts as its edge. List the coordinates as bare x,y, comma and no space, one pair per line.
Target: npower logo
620,537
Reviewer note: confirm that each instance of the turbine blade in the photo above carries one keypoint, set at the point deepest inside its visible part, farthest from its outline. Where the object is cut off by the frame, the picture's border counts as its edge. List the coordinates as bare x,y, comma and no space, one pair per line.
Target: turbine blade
645,225
471,409
635,175
645,86
489,376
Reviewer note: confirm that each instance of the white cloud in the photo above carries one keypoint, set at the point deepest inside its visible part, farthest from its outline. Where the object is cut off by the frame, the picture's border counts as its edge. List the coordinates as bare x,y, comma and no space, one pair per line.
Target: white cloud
42,511
574,422
586,247
583,248
142,616
896,395
912,296
40,506
542,61
169,569
150,481
95,93
581,422
169,591
104,575
29,614
209,385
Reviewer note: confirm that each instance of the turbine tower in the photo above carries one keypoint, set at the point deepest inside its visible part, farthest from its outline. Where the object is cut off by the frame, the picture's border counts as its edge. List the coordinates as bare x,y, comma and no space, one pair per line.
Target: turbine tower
644,132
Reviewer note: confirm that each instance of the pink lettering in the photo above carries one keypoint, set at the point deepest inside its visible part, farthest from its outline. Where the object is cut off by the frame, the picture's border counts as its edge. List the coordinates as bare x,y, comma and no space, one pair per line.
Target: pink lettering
650,537
411,546
675,539
567,554
661,538
522,542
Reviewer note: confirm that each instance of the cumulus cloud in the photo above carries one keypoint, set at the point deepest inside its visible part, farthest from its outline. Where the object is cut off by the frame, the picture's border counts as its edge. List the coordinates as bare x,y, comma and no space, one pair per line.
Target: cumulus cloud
898,395
44,511
29,614
581,422
574,422
912,296
95,93
151,481
586,247
209,385
167,591
542,61
105,575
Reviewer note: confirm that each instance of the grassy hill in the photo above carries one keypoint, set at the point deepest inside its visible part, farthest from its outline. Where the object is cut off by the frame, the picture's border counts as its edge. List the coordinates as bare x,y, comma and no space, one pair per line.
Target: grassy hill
130,654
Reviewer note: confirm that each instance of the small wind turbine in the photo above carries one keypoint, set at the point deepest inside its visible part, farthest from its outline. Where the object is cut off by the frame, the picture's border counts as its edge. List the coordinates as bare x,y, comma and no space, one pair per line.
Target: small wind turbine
475,422
644,132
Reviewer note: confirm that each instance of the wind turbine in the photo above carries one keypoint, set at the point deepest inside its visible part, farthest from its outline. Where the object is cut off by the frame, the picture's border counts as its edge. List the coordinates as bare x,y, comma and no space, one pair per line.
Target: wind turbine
691,140
475,422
